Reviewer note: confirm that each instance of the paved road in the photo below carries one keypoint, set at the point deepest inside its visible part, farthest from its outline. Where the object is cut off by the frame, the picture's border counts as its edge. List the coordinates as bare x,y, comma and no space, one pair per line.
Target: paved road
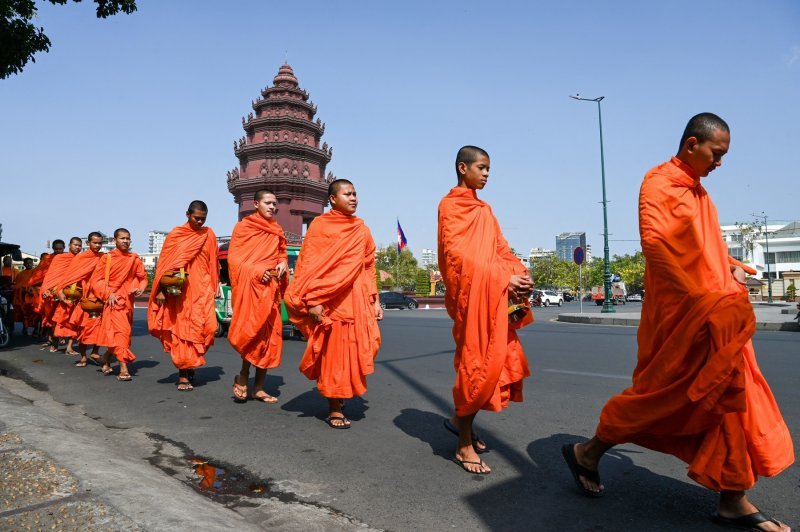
391,470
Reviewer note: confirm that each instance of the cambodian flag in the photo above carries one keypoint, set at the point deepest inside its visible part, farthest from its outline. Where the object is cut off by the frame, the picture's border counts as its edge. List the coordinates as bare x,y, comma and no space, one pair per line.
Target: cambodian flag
401,238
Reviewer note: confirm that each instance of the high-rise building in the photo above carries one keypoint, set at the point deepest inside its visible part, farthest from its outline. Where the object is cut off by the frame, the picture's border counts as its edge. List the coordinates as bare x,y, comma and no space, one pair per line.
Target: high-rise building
155,240
429,257
567,242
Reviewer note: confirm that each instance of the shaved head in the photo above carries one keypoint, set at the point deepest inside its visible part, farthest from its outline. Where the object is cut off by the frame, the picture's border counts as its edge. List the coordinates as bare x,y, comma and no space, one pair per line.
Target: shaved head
120,231
468,155
261,193
336,184
702,127
197,205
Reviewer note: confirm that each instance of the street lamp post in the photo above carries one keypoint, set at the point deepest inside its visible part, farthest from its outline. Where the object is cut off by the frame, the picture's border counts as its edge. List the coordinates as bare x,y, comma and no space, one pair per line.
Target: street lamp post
766,256
608,305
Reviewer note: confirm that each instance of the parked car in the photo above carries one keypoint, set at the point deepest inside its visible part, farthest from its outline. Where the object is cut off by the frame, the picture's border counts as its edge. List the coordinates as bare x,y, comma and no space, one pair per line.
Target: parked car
397,300
549,297
568,296
635,297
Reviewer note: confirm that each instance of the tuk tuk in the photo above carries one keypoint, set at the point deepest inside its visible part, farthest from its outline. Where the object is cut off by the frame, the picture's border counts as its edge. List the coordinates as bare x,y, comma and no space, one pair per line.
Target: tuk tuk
222,301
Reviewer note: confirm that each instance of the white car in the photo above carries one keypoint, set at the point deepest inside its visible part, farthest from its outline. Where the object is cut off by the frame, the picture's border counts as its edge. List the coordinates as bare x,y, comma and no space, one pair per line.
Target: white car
550,297
634,297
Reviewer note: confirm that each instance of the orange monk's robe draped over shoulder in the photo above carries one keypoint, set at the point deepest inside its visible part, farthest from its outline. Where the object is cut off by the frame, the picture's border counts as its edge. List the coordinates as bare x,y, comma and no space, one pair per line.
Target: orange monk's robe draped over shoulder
477,264
336,269
35,283
257,245
120,273
18,298
79,273
53,312
186,323
697,391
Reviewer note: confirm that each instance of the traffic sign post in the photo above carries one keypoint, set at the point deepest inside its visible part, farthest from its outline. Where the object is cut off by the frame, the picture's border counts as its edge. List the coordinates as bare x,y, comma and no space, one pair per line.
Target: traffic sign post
578,256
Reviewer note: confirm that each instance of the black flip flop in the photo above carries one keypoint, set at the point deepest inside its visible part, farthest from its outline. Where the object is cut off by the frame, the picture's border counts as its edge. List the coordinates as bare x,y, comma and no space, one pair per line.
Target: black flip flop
345,422
744,522
475,438
464,467
577,470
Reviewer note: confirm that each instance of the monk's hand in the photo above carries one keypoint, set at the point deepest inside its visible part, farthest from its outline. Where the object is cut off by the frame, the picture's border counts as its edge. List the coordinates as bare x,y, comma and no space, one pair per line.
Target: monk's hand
61,295
160,297
316,313
138,292
266,277
282,268
739,275
112,299
378,310
520,285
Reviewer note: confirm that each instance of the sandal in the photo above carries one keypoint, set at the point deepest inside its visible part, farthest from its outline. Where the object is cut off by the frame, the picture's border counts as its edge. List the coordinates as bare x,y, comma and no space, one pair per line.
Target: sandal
185,386
463,464
344,423
96,360
266,398
71,353
239,391
125,377
577,470
108,371
80,364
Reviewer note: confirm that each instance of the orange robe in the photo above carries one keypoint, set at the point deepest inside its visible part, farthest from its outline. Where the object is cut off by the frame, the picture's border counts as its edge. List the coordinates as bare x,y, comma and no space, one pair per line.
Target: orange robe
61,310
185,324
336,269
11,272
79,273
20,297
122,274
697,391
256,330
476,264
34,283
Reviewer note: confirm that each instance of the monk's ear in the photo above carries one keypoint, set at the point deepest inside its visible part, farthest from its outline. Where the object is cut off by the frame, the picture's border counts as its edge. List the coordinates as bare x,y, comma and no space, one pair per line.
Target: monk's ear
462,169
690,144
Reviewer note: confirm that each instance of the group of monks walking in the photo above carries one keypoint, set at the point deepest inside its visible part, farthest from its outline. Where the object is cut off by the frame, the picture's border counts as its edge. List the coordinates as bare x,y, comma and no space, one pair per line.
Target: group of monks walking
697,392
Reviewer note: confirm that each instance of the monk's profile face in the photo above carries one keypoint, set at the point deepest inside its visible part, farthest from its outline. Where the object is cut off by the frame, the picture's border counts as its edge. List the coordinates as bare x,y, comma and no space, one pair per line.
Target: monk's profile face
27,264
196,219
75,246
95,243
704,157
345,200
58,248
475,175
267,206
123,241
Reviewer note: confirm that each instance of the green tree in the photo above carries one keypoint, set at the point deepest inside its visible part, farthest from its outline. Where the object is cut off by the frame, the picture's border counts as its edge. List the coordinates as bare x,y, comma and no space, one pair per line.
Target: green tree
20,40
423,284
403,272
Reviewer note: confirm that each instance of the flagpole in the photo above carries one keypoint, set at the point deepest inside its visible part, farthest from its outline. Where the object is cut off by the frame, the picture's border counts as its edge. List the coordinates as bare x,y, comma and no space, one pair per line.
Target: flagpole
397,266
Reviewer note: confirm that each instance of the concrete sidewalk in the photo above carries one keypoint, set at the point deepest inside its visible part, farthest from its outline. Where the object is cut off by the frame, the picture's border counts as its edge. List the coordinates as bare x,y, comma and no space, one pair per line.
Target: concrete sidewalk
769,317
61,470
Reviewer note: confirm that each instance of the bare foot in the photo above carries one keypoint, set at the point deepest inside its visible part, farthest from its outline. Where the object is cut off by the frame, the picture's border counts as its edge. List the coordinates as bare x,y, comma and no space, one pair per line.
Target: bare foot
467,458
479,444
264,397
736,504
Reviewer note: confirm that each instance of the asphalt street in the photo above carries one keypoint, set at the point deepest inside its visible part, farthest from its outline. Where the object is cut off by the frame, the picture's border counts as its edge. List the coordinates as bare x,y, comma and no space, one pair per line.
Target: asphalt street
392,470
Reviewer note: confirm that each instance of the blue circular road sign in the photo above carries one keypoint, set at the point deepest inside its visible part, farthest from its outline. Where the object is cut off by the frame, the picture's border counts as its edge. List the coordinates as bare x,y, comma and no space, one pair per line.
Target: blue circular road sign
578,255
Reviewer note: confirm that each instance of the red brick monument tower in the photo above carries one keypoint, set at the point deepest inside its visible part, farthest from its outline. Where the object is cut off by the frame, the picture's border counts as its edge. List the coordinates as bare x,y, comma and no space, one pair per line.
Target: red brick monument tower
281,151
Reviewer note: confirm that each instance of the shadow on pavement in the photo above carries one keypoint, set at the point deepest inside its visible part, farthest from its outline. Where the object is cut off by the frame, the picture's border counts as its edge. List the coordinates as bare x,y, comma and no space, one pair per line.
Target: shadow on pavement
544,496
312,404
427,427
202,376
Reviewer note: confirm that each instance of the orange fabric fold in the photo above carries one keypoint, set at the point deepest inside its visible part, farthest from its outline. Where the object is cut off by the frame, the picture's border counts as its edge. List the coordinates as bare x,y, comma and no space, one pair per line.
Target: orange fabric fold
35,284
77,321
476,264
697,391
336,269
255,331
54,311
185,324
125,274
21,296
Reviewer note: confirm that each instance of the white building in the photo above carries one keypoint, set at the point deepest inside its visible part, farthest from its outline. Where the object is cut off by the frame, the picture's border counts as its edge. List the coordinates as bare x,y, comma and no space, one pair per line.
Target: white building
541,253
149,260
155,239
782,239
428,257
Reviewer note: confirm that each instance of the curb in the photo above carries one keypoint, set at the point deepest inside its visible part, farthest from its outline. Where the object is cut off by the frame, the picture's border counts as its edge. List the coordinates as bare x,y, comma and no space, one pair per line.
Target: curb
589,319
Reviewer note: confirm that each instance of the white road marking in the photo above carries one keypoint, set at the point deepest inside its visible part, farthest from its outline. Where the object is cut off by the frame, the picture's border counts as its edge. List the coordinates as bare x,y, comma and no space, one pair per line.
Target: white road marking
589,374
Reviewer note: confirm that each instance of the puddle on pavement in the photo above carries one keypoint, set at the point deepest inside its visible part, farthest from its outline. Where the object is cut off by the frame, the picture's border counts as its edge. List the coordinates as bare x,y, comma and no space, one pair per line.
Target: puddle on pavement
222,482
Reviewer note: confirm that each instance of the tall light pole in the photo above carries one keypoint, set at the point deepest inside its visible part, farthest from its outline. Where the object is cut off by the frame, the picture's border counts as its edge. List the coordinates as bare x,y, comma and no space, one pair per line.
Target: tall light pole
766,255
608,305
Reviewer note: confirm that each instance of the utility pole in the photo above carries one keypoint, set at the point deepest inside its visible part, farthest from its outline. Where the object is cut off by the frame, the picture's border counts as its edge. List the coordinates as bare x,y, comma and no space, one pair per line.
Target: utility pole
766,254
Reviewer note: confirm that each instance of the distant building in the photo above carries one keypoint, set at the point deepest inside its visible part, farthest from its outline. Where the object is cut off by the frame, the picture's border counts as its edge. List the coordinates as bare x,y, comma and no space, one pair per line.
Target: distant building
784,248
429,257
155,240
541,253
149,260
108,243
567,242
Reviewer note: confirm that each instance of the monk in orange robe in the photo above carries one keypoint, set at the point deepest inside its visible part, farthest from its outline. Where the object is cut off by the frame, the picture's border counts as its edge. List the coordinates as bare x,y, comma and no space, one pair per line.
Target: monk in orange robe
79,274
21,294
333,300
482,275
62,308
185,322
118,278
8,269
43,307
697,391
257,263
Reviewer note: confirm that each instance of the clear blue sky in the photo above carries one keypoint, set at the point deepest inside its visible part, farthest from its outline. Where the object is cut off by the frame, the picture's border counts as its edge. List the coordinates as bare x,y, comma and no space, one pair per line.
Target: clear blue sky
128,119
